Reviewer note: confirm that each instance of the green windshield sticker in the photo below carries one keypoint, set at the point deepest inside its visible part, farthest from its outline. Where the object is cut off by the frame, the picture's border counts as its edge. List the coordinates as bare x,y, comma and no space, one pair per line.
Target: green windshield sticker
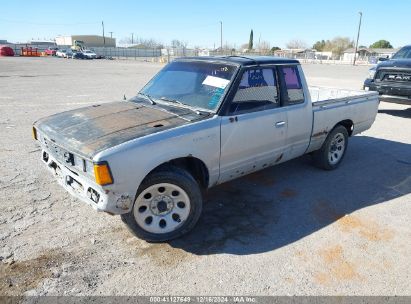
215,98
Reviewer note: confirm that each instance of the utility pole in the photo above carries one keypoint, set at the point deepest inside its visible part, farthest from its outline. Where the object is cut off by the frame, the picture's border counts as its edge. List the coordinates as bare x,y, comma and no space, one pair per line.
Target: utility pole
358,37
104,38
221,36
132,38
111,34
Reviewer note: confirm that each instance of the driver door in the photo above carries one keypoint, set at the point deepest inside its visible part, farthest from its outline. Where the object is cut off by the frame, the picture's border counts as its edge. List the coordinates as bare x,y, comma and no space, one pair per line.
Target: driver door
253,133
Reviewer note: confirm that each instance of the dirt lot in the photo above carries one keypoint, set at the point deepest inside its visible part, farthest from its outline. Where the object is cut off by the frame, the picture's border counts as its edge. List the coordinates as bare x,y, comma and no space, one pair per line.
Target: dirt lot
289,230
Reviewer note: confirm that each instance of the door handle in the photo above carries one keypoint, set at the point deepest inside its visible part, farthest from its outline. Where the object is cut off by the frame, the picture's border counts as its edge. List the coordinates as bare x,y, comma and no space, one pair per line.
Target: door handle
233,119
279,124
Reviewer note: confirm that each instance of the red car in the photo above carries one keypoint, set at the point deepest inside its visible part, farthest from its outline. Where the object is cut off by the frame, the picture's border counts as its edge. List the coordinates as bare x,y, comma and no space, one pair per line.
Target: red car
6,51
51,51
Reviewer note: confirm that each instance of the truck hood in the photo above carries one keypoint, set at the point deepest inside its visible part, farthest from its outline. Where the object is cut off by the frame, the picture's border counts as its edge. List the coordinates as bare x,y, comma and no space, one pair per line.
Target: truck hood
92,129
395,63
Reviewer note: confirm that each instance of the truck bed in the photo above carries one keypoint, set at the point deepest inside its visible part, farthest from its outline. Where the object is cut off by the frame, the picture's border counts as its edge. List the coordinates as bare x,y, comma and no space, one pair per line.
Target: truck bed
324,95
331,106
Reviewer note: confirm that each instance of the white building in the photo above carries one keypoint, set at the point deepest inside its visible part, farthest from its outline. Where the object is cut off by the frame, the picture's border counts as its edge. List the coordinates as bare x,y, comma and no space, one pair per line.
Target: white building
89,40
366,53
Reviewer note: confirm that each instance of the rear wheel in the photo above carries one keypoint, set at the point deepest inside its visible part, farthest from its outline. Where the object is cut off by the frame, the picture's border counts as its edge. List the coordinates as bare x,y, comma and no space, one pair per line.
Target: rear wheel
333,150
168,205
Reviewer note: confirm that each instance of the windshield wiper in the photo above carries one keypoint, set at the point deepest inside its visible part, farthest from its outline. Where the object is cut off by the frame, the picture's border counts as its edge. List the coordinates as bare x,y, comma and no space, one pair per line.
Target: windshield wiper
148,97
185,106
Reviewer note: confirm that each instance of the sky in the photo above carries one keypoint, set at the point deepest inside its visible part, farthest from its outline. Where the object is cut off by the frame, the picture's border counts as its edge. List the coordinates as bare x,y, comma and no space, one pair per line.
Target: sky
198,22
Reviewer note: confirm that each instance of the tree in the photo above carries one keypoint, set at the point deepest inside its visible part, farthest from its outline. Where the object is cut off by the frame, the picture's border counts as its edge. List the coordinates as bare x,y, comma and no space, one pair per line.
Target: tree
264,46
251,42
178,44
381,44
319,45
142,43
275,48
338,45
243,47
296,44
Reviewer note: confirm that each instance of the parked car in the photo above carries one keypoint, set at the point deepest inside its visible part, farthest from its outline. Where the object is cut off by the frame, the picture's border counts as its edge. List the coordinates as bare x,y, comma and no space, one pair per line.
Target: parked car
79,55
51,51
6,51
68,54
391,78
90,54
199,122
61,53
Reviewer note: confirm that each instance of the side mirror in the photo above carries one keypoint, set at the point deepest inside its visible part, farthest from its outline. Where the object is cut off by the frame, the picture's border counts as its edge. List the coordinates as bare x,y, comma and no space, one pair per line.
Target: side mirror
382,58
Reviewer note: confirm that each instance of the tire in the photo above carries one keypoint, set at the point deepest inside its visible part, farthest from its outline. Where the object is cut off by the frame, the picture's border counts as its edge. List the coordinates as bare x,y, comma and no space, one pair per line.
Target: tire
168,205
333,149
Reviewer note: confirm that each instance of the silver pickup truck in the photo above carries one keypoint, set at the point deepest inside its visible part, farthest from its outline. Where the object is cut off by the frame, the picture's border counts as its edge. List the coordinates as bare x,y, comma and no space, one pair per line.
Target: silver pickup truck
198,123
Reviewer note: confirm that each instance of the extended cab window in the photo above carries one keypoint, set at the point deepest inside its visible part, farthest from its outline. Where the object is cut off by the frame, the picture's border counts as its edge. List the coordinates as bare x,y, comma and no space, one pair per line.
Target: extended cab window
257,91
292,88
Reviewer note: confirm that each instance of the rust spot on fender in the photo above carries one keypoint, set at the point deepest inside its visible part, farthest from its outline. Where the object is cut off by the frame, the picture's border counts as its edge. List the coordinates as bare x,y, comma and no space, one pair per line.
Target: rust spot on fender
321,133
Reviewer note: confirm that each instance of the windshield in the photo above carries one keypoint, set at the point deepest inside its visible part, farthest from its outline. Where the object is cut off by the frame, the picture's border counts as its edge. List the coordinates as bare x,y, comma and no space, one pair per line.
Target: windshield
404,53
195,84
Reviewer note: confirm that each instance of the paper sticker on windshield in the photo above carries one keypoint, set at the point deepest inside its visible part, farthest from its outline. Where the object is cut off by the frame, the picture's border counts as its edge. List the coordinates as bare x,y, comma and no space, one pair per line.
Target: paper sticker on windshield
216,82
215,98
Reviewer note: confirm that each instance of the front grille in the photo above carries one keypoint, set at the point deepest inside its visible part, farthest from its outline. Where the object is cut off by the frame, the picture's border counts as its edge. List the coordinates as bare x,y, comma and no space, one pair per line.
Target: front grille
65,157
394,76
58,152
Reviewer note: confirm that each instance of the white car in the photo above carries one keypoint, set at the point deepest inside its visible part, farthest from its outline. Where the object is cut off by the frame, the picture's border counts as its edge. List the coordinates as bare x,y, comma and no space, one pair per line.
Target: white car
89,54
61,53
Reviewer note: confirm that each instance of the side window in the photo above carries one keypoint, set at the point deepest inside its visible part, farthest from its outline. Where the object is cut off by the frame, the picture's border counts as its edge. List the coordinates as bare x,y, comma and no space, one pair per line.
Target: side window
257,91
293,91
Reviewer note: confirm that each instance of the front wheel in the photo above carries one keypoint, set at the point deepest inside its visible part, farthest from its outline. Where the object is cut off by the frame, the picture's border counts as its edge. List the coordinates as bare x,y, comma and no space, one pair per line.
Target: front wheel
333,150
168,205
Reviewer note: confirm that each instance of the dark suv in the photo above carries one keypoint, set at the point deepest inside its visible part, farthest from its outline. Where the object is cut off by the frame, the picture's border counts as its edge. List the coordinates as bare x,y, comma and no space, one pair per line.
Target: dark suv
392,78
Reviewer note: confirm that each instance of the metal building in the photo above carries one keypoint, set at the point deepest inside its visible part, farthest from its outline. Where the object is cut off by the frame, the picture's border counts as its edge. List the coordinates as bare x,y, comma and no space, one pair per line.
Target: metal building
89,40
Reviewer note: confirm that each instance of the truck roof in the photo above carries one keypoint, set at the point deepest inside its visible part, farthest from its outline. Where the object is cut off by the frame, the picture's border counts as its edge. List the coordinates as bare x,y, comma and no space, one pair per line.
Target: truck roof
245,60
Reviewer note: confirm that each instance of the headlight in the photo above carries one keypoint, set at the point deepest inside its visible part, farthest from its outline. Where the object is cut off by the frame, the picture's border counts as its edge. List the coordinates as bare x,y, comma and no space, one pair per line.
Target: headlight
371,73
89,168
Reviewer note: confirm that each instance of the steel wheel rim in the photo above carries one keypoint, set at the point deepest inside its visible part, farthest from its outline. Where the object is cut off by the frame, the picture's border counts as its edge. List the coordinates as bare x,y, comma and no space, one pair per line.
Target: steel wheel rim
337,148
162,208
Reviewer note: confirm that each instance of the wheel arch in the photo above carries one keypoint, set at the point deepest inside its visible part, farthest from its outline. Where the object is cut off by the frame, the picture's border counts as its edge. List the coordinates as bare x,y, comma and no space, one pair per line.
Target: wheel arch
193,165
347,124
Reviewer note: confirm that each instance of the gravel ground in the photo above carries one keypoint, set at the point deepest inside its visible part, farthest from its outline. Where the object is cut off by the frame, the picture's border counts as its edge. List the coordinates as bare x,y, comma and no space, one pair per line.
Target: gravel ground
288,230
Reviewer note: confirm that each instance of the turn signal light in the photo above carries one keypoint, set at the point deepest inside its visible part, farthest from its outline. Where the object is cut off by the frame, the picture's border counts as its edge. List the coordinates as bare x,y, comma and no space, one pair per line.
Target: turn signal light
102,174
34,133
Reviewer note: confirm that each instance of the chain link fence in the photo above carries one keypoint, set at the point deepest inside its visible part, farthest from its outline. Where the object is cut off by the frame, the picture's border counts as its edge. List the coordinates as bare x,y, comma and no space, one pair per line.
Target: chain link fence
168,54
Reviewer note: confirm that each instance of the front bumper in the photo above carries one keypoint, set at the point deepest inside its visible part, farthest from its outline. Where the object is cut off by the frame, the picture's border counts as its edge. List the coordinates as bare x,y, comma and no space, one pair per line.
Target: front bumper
86,190
390,93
